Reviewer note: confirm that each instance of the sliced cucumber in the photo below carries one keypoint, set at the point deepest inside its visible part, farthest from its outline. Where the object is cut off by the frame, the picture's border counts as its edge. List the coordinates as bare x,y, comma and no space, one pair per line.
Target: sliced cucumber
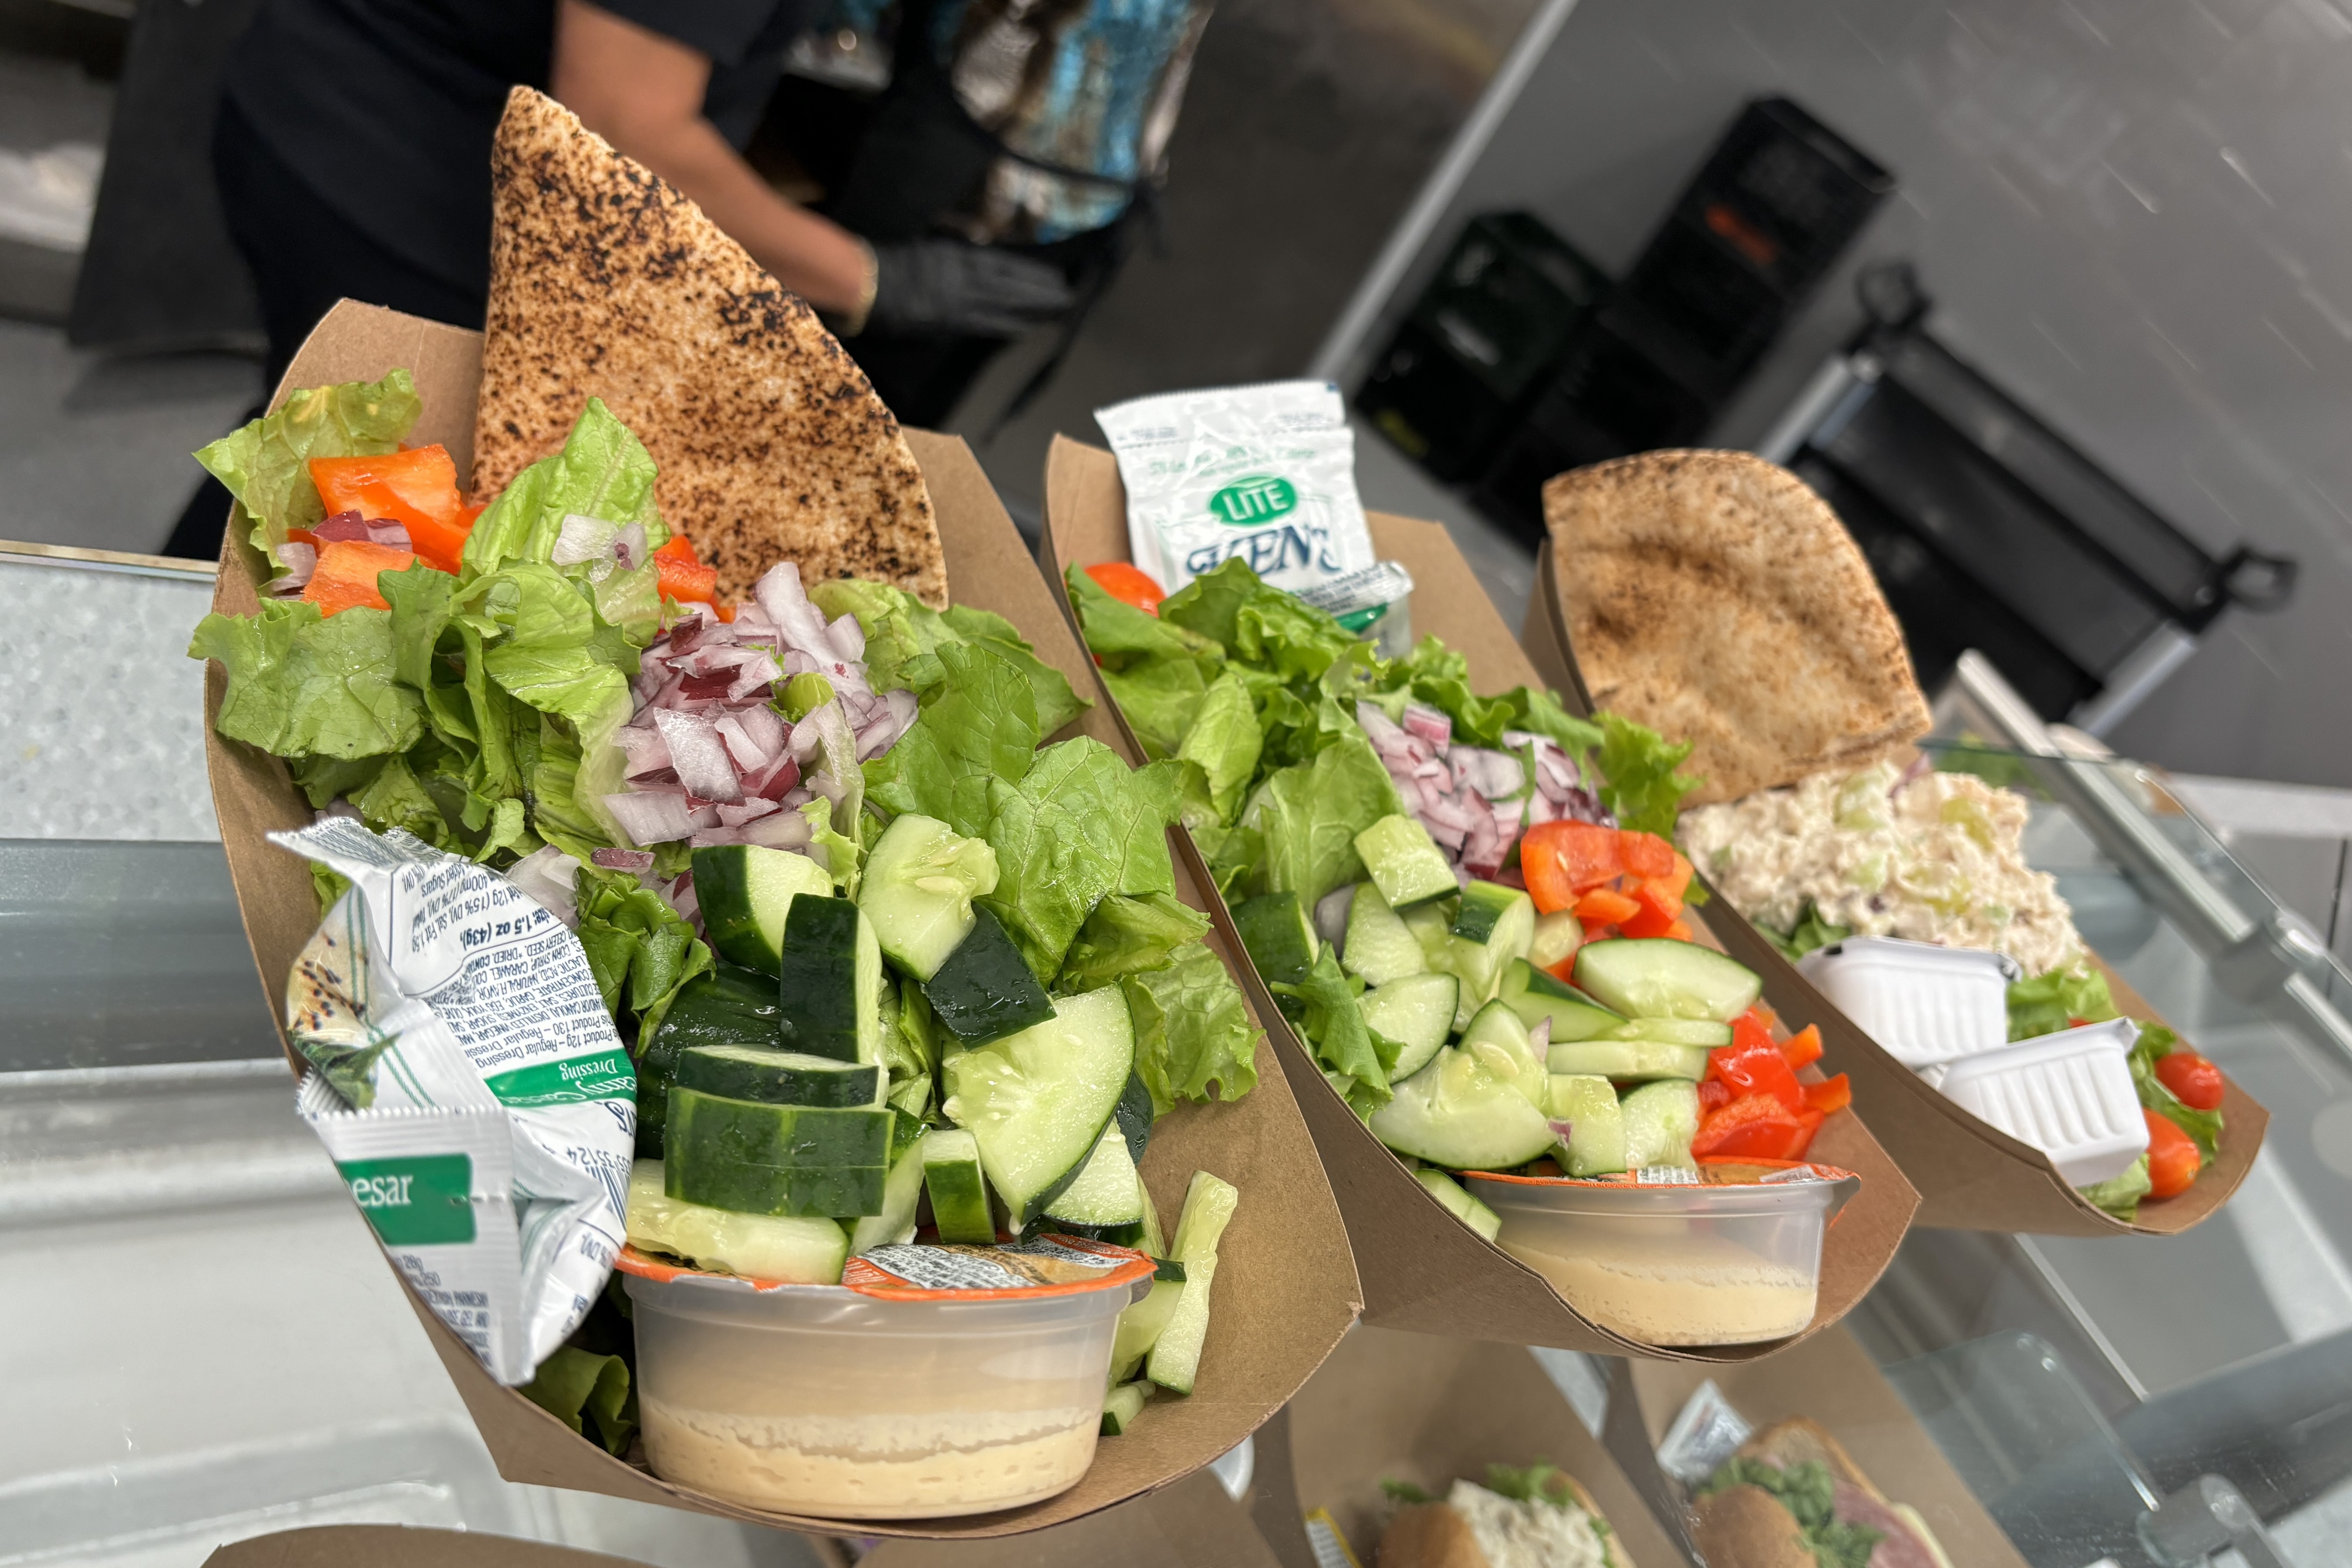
1672,1031
1558,936
1429,925
1122,1405
1458,1113
1496,1037
1416,1011
796,1251
1134,1116
902,1193
921,879
1106,1200
959,1192
1459,1202
1278,934
1038,1101
1628,1059
1595,1144
1536,995
1378,946
779,1078
1492,928
1140,1326
748,1158
1660,1120
1153,1242
830,981
729,1006
1659,977
984,991
1209,1204
746,895
1404,862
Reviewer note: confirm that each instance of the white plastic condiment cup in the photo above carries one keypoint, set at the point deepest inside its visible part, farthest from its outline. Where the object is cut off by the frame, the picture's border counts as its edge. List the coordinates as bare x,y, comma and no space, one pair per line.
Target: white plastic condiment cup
1927,1005
2068,1094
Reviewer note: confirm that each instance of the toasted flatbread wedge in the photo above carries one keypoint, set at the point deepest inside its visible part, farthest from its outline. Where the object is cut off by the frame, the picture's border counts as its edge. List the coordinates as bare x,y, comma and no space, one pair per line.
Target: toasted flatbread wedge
607,282
1713,597
1428,1535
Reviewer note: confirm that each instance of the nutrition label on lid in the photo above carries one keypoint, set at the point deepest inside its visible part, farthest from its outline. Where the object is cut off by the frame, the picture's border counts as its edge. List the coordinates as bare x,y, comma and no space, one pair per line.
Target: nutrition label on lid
936,1269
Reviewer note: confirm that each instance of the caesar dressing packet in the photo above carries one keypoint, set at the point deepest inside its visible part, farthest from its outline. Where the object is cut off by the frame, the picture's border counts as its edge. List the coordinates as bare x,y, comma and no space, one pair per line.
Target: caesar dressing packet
468,1084
1265,473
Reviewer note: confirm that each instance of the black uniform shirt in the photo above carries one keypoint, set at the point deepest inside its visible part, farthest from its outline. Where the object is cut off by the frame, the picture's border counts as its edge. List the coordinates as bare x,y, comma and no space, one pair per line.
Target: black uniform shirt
386,108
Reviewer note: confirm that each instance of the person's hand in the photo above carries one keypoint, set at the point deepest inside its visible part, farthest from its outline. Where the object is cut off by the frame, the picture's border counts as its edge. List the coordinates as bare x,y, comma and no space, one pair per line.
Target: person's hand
931,287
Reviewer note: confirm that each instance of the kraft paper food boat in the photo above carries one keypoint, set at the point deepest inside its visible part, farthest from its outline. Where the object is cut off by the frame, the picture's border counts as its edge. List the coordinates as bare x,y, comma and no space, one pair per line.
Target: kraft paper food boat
1421,1268
1287,1291
1391,1407
1970,1174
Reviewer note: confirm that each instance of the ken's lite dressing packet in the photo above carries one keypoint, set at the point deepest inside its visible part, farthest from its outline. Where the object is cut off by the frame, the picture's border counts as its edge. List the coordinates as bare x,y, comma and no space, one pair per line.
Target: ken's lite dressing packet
468,1085
1266,474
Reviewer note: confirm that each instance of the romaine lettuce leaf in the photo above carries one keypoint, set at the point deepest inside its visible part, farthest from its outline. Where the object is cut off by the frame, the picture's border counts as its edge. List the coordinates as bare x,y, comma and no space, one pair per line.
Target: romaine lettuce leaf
1057,704
301,684
1191,1031
265,464
1308,815
1639,783
2051,1001
1079,826
542,644
1126,936
2120,1196
903,635
1224,740
980,720
602,471
1161,697
638,947
1332,1021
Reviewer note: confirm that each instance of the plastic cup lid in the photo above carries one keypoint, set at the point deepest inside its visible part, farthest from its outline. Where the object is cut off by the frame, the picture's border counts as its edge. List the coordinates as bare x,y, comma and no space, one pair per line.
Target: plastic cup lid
1044,1266
1738,1180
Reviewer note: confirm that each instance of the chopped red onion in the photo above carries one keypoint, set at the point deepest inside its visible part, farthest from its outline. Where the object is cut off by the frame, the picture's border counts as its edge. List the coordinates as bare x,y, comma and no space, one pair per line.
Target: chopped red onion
301,561
343,528
777,783
1426,722
750,811
629,549
699,756
546,874
584,538
622,860
649,817
782,830
1331,914
749,760
849,638
391,535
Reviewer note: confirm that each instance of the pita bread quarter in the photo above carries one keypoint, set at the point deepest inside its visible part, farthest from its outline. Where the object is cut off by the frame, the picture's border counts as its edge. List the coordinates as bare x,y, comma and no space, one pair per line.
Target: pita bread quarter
605,281
1715,598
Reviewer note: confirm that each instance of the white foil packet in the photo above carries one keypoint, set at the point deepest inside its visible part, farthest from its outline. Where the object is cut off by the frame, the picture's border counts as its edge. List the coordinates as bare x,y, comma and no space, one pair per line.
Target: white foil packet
1265,472
469,1087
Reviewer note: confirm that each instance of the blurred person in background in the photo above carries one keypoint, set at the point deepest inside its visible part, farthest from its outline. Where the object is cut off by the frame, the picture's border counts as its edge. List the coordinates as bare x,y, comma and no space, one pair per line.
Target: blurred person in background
986,190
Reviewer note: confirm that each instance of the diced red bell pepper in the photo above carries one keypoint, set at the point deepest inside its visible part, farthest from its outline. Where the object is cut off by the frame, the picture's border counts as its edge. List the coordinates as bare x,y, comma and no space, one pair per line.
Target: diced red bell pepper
1589,852
1754,1127
1831,1094
1810,1120
417,489
1752,1028
1678,931
1130,584
682,574
1605,907
1658,911
345,577
1802,1047
1644,855
1713,1094
1545,872
1755,1068
1679,880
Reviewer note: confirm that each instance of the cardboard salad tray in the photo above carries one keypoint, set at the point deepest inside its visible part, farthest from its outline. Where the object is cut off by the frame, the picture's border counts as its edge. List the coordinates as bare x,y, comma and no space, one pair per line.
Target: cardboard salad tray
1833,1381
1970,1174
1391,1407
1421,1268
1287,1289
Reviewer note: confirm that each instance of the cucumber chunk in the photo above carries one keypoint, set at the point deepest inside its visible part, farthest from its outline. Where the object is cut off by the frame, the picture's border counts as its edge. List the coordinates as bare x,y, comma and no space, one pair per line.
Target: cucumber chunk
1209,1204
1278,934
749,1158
1038,1101
1658,977
746,895
1536,995
1493,926
1496,1037
1133,1115
830,981
1595,1144
1378,945
1106,1200
1122,1405
1558,936
729,1006
796,1251
1404,862
1140,1326
1459,1113
1416,1011
779,1078
921,879
1459,1202
958,1193
1703,1031
1429,925
902,1193
1628,1059
984,991
1660,1120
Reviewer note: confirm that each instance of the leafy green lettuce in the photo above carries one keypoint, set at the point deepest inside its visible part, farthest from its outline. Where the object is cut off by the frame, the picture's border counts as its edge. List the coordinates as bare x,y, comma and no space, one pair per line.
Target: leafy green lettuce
1353,1056
1808,1490
979,719
304,684
602,471
1308,815
265,464
1127,936
1224,740
904,637
574,1384
1191,1031
639,948
2051,1001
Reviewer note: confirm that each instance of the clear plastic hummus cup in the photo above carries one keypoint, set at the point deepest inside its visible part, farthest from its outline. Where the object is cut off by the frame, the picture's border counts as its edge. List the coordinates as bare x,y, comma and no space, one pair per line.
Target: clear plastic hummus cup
932,1381
1728,1254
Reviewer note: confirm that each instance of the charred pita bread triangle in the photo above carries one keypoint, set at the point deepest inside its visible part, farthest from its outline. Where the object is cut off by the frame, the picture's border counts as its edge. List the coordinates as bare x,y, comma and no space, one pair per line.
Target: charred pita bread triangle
605,281
1713,597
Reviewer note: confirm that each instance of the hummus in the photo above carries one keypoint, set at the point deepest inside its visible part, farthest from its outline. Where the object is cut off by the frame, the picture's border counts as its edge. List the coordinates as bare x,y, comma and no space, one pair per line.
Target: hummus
1933,858
1707,1292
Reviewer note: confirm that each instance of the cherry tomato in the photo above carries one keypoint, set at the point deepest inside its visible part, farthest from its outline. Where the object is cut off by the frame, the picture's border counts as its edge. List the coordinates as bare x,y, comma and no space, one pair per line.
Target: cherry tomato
2193,1078
2173,1157
1128,584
